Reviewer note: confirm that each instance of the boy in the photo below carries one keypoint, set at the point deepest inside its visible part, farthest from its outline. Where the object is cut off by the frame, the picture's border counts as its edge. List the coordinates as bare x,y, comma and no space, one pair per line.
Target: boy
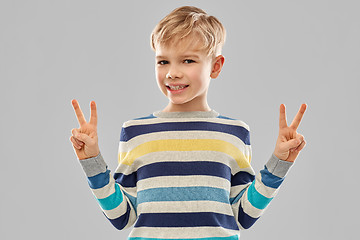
184,172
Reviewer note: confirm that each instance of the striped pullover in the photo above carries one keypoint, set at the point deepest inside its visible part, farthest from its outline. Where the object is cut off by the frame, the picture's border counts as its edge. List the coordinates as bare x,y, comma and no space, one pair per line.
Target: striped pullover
184,175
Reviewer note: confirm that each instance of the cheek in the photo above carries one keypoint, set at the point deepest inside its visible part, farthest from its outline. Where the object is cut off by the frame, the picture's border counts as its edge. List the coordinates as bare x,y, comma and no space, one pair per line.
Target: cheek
202,76
160,75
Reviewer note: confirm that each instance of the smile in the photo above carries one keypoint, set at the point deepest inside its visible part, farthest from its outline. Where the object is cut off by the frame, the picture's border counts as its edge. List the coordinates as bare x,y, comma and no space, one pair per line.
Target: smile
177,87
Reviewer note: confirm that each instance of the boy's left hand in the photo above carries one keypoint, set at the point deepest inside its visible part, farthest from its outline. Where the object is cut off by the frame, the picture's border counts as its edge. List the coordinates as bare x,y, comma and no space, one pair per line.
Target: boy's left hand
289,142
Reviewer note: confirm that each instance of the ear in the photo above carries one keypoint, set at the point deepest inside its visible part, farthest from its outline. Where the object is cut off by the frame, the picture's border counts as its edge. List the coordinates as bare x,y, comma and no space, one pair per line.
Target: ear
217,66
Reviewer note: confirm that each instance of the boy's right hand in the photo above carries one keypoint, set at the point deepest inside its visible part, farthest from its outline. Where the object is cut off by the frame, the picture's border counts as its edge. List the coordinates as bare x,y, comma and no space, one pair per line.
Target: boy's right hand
85,139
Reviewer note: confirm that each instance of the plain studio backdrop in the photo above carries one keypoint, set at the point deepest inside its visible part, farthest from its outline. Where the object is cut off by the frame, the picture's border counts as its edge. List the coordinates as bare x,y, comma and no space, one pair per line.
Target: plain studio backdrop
276,52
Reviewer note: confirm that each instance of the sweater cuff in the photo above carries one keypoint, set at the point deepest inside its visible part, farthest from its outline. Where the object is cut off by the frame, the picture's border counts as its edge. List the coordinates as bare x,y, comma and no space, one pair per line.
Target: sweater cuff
278,167
93,166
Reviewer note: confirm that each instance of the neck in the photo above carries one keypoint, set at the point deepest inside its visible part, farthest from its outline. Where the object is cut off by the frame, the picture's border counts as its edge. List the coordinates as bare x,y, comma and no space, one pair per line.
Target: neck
186,108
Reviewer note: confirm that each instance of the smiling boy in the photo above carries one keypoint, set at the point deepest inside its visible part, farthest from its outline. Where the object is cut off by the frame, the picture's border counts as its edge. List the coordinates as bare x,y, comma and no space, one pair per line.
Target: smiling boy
184,172
184,71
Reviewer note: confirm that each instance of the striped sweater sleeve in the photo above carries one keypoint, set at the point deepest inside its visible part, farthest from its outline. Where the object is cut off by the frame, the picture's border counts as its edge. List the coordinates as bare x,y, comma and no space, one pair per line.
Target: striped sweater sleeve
252,194
116,194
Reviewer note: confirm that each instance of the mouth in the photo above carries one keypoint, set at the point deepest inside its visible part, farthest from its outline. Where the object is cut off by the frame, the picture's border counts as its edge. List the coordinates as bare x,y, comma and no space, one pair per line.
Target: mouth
177,87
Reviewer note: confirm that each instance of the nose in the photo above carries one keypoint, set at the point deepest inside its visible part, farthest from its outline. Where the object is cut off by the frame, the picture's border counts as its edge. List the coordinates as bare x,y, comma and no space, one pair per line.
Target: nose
174,72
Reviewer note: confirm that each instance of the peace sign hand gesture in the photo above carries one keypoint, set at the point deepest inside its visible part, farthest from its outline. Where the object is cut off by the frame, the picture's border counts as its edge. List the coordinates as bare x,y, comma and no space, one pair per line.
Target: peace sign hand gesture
85,139
289,142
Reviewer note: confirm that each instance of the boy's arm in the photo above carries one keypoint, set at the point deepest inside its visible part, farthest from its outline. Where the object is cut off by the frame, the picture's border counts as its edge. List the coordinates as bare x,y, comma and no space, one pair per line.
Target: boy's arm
253,197
115,201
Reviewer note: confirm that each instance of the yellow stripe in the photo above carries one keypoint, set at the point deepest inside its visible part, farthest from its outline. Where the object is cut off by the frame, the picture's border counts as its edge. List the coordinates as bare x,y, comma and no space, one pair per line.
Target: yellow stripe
185,145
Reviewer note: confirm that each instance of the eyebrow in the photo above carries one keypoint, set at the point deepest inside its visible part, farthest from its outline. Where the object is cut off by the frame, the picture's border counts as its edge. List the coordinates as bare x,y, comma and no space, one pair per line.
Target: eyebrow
183,56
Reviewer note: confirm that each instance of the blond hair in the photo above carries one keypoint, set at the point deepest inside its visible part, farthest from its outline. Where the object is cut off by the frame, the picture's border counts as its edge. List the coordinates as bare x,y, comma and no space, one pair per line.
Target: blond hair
188,20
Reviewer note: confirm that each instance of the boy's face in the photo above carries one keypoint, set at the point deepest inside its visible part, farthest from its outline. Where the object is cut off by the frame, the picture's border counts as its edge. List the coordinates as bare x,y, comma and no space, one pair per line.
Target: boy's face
183,74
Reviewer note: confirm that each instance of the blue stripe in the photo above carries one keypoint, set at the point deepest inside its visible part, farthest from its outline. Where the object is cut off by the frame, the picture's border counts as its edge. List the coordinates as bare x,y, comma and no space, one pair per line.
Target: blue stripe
241,178
126,180
183,194
193,219
147,117
112,201
224,117
100,180
133,131
120,222
269,179
207,168
245,220
256,199
234,237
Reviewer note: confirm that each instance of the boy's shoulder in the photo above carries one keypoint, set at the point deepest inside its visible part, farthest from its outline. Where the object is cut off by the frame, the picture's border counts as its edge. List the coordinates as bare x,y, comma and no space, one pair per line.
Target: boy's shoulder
153,119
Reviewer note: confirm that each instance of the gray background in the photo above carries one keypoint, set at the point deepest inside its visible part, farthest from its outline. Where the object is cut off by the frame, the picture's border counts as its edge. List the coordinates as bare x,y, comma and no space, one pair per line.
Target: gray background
276,52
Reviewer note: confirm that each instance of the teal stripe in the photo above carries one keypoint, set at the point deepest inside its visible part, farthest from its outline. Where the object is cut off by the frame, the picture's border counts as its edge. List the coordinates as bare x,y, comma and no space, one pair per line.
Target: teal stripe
113,200
256,199
234,237
183,194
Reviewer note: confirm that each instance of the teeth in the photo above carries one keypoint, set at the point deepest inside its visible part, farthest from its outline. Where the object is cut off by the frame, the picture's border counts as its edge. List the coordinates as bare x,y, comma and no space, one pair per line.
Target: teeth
177,87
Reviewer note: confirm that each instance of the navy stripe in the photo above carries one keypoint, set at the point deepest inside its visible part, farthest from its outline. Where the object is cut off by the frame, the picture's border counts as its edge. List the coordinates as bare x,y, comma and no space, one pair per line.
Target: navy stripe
269,179
100,180
197,219
120,222
241,178
184,168
133,131
245,220
126,180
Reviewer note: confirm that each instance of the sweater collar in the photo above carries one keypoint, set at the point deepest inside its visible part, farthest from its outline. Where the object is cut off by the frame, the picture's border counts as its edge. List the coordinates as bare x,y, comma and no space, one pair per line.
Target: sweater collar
193,114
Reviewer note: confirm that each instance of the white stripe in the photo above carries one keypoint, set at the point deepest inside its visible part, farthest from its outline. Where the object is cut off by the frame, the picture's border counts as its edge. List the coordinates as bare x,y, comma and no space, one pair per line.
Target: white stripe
185,206
264,190
188,232
183,181
235,190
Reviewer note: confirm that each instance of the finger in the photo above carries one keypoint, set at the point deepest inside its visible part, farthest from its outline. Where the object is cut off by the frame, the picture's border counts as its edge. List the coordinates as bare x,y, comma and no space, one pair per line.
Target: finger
75,144
291,144
300,139
80,143
75,133
302,145
282,118
84,138
296,122
93,116
78,112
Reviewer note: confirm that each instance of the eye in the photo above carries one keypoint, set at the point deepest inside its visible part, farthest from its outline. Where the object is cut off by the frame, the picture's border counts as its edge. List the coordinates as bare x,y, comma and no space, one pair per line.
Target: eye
189,61
163,62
